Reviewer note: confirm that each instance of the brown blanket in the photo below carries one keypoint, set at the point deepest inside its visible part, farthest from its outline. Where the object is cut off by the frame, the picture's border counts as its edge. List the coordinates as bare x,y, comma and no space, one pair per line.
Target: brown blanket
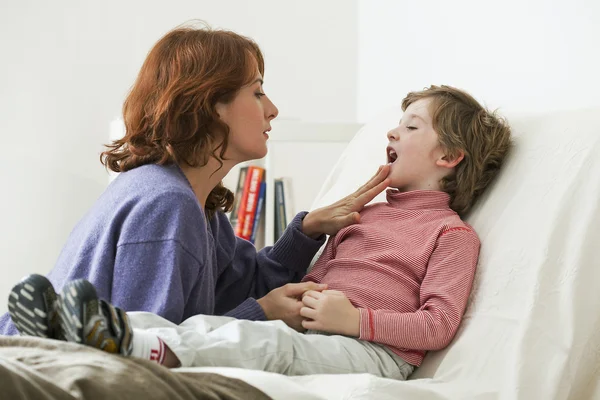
33,368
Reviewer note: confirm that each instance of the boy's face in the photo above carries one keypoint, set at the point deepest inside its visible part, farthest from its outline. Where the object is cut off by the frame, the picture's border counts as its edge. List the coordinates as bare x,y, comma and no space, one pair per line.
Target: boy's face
414,151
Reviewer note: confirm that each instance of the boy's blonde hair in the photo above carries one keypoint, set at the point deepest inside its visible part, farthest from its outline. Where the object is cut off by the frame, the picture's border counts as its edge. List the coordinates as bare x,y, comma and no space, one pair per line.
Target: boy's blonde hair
462,124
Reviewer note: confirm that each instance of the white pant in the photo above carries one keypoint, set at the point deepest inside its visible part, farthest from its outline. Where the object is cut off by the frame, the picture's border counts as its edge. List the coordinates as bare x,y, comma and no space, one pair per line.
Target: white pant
203,341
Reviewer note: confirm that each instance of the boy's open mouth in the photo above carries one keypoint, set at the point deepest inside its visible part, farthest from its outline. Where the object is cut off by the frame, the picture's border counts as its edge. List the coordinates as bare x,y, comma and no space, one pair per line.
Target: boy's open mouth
391,155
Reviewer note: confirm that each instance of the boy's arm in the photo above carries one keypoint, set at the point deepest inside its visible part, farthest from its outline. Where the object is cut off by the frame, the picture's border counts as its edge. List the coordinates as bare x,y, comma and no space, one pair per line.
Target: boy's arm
444,293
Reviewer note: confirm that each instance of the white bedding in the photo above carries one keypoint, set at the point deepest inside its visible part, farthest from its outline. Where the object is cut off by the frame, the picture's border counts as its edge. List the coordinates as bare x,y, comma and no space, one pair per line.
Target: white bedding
532,327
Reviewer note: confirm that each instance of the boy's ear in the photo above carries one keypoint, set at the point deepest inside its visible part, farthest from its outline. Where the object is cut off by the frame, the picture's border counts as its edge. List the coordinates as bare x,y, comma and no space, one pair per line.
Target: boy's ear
448,161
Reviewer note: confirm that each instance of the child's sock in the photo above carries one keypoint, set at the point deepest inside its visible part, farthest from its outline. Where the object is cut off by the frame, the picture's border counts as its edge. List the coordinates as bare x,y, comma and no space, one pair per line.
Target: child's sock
148,346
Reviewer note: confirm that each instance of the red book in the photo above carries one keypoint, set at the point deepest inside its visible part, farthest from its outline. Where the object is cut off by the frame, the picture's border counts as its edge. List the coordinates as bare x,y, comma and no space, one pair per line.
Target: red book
242,209
256,177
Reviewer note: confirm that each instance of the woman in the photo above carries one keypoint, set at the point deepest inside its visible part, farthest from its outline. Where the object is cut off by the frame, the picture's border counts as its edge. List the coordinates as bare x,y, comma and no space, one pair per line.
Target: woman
157,239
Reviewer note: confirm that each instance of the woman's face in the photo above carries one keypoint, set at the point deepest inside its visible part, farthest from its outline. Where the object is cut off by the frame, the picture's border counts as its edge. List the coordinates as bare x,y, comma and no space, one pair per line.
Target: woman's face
249,117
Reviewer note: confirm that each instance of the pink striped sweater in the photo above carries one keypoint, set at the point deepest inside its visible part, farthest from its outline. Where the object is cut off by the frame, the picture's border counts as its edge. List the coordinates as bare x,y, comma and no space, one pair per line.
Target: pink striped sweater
408,267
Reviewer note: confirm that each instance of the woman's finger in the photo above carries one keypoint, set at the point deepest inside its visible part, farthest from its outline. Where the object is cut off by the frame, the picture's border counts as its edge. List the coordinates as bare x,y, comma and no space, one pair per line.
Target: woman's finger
381,171
381,174
365,185
297,289
370,194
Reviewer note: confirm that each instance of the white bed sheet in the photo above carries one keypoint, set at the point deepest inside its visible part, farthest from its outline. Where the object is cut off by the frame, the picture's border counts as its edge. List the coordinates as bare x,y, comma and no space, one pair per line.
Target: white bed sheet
532,327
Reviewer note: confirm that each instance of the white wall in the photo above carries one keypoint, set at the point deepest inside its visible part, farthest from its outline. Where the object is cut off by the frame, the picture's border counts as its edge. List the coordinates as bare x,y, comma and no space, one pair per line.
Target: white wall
66,67
517,55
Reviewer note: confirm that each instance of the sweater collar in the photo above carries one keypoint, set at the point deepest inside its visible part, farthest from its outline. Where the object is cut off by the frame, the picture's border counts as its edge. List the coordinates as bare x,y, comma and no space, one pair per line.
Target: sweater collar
418,199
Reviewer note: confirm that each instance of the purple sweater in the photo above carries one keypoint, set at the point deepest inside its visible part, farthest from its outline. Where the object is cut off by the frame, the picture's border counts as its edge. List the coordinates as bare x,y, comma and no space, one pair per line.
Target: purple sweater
146,245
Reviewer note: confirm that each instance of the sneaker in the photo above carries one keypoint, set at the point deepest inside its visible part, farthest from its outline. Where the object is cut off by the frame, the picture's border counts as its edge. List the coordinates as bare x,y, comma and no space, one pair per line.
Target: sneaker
85,319
32,308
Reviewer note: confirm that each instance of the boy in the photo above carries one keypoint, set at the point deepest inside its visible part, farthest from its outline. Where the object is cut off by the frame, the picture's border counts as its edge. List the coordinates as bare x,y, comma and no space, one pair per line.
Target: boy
398,281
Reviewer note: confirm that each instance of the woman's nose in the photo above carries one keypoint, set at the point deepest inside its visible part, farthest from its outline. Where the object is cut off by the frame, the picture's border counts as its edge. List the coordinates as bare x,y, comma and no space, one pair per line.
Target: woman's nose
271,110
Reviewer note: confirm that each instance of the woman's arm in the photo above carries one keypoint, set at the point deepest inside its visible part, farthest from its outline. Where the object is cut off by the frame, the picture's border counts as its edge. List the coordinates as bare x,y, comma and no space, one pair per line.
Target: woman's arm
248,275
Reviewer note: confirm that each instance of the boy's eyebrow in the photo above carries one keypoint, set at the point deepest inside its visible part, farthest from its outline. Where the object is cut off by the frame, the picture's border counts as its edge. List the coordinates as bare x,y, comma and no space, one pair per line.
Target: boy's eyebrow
416,116
413,116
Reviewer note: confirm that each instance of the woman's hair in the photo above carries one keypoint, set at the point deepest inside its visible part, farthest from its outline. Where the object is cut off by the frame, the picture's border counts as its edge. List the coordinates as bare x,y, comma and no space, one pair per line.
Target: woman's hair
462,124
170,114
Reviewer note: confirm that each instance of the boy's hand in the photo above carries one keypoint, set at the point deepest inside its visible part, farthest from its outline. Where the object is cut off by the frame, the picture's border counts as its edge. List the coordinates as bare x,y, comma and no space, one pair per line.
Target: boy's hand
330,311
284,303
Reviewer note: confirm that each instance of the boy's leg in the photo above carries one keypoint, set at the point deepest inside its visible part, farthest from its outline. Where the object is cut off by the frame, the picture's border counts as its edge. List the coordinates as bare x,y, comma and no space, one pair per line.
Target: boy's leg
86,319
146,324
202,323
220,341
272,346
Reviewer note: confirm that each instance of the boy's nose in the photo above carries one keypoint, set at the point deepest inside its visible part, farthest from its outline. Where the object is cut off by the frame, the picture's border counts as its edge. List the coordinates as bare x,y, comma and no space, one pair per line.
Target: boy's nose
393,135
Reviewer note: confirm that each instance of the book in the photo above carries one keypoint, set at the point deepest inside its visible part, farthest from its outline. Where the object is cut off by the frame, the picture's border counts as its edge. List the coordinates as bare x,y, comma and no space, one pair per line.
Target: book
239,190
280,218
276,231
241,212
256,177
259,210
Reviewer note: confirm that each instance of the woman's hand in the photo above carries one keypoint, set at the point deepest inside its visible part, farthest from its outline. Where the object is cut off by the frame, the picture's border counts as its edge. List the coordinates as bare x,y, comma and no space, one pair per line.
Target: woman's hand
284,303
330,311
332,218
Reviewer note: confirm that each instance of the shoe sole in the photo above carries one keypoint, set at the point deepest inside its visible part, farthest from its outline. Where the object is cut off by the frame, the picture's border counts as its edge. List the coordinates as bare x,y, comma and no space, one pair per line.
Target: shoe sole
31,305
77,303
84,321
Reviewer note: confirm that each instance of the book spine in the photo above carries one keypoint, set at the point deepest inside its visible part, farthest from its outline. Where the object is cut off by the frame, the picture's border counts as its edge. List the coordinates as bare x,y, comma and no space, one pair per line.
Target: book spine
239,226
276,233
259,206
255,179
239,191
279,209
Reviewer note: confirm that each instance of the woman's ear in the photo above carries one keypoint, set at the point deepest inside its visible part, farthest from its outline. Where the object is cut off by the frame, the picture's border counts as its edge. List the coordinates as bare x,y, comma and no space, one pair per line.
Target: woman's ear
449,161
221,109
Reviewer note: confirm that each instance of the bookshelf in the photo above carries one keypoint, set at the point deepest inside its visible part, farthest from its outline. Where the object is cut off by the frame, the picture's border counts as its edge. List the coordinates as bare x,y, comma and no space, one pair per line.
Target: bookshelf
302,152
